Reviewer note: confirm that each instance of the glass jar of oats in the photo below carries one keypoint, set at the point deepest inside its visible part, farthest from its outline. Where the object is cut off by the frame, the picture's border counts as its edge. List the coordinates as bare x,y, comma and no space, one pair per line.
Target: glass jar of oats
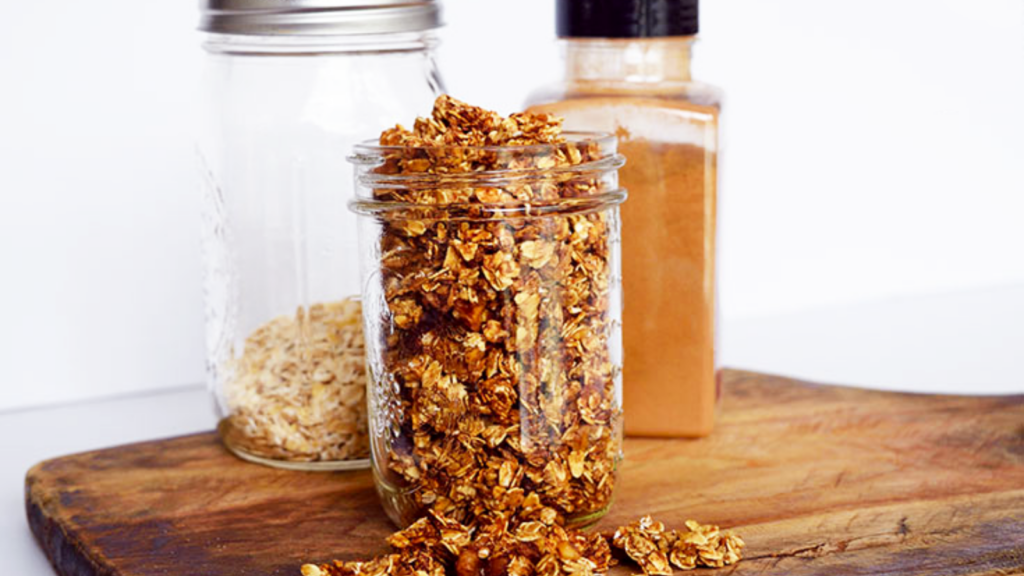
289,88
492,307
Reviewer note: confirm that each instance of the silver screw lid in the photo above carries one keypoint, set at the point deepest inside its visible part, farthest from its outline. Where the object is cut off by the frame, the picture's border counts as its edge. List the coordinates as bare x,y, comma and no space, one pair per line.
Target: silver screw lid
318,17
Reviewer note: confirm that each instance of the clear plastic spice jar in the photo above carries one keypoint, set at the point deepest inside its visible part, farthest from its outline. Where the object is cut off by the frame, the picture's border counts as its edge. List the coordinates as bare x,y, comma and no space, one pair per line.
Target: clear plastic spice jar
492,318
289,88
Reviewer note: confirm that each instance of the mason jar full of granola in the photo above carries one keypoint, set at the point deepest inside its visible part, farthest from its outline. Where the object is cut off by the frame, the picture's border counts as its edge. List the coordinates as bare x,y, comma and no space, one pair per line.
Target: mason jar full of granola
492,319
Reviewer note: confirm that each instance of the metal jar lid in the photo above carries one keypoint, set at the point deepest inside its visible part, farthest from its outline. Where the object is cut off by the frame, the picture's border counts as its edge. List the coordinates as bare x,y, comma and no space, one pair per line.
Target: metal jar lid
318,17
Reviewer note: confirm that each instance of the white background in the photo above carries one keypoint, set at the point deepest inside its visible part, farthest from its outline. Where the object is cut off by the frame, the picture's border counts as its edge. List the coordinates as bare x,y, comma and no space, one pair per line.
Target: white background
873,202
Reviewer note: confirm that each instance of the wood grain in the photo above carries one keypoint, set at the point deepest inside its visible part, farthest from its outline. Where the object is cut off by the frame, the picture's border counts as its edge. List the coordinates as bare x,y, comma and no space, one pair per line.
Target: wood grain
817,479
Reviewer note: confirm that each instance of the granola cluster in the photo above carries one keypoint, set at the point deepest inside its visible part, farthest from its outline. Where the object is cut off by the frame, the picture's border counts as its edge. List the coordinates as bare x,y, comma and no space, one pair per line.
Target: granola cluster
496,381
653,548
438,546
298,390
435,546
456,124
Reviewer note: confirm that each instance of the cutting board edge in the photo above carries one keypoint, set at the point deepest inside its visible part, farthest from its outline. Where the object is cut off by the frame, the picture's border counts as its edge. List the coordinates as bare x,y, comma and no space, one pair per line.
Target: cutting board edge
739,374
742,373
62,550
35,470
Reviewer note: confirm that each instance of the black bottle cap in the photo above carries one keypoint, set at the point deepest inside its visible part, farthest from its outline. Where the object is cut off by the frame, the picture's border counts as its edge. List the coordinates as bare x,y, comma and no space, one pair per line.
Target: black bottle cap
625,18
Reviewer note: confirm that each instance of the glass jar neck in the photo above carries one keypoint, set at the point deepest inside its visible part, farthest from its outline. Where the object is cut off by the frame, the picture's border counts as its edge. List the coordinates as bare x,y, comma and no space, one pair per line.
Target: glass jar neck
631,60
488,182
305,45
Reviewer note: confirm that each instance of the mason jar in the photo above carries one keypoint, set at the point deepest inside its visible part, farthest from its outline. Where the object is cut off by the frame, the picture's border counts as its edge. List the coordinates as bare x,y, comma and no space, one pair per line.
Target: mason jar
492,311
288,89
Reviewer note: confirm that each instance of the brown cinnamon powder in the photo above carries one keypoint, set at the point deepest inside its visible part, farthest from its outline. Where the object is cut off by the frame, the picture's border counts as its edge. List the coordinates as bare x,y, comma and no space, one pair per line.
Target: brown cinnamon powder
668,255
668,274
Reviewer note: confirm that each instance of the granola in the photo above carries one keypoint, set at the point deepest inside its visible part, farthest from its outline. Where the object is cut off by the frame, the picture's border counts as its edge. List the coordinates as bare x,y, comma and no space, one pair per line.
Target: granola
653,548
298,390
497,379
494,394
437,546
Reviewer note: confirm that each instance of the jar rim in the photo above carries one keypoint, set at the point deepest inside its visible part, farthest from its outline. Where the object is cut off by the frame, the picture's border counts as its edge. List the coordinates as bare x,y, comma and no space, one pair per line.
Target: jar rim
477,211
365,151
482,178
369,155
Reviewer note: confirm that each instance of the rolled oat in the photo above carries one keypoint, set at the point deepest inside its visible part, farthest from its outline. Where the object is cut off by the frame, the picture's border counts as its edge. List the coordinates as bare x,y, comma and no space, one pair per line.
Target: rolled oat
298,390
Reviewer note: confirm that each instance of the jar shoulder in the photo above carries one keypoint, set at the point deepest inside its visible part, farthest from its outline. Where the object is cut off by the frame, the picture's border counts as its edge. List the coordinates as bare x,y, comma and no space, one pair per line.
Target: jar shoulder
668,95
340,93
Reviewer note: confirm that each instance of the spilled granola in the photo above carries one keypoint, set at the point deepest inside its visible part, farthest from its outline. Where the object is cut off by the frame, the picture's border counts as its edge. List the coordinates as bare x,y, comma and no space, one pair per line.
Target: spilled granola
653,548
497,380
438,546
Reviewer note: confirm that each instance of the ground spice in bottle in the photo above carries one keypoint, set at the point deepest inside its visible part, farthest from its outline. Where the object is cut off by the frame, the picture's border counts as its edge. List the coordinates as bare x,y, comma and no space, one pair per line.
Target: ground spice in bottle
669,286
640,89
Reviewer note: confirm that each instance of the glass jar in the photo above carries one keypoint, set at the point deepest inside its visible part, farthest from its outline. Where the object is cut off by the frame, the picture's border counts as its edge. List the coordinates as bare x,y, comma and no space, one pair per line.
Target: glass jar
493,333
287,92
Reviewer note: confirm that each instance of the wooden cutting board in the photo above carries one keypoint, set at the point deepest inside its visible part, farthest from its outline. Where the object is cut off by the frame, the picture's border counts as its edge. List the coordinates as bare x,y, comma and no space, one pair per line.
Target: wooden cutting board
817,479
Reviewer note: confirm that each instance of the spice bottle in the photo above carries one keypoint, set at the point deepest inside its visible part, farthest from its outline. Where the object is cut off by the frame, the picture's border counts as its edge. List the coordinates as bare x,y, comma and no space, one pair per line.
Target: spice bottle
627,71
289,88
